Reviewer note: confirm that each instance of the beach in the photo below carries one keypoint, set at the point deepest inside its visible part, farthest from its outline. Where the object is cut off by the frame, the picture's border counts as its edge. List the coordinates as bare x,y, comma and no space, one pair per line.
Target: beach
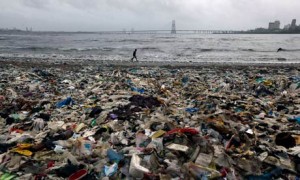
151,120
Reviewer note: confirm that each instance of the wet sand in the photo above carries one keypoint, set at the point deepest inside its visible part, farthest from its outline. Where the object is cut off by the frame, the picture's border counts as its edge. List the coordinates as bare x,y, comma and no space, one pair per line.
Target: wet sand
20,62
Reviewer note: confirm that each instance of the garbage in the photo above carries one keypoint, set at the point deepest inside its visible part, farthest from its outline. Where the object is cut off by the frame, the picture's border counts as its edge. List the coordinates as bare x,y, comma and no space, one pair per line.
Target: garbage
140,90
110,170
149,123
285,139
183,130
113,156
192,110
135,169
7,176
204,159
68,101
78,175
178,147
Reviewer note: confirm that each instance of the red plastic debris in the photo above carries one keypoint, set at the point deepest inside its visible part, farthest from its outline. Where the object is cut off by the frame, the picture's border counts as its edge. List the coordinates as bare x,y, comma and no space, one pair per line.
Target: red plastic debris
183,131
78,175
50,164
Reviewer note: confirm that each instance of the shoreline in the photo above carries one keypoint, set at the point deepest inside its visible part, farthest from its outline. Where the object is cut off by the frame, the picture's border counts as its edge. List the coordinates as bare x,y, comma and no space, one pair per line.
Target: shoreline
21,62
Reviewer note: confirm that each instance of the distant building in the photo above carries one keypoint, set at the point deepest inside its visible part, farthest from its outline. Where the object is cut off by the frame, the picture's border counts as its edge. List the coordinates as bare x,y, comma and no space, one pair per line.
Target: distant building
271,25
277,24
173,30
293,25
287,27
259,30
274,25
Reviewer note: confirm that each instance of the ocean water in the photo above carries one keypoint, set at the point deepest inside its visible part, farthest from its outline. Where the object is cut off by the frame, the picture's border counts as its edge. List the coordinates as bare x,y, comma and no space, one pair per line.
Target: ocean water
254,48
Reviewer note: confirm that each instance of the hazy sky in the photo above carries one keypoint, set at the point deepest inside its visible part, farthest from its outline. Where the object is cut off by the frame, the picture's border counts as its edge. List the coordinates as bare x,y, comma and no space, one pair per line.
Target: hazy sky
97,15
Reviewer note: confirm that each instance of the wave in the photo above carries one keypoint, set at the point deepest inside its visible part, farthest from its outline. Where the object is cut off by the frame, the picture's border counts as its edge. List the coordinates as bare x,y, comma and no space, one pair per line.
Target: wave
256,50
291,49
149,48
87,49
235,50
133,40
86,40
213,50
249,50
36,48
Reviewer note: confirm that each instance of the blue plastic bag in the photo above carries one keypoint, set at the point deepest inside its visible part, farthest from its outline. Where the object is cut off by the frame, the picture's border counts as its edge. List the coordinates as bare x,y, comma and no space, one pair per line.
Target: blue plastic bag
275,172
185,79
139,90
113,156
65,102
192,110
297,119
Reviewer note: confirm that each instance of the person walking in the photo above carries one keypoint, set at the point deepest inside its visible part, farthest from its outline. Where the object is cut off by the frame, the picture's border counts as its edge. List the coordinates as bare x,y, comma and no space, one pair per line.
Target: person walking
134,55
280,49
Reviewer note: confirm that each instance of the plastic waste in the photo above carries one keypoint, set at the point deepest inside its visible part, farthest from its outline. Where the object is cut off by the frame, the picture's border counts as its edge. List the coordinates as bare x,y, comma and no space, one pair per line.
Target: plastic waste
178,147
59,149
297,119
78,175
135,169
191,131
113,156
110,170
139,90
285,139
185,79
83,147
68,101
192,110
270,175
148,122
7,176
204,159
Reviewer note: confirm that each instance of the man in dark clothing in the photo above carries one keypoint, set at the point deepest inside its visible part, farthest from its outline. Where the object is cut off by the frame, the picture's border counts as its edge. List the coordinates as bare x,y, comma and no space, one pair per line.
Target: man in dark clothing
280,49
134,55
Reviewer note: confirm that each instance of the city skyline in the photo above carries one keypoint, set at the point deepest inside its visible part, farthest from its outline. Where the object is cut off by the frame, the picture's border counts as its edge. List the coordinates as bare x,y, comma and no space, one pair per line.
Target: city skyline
102,15
273,27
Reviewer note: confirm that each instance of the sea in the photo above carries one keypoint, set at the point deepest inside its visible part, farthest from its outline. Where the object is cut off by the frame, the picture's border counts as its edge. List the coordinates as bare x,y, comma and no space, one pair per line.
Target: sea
242,48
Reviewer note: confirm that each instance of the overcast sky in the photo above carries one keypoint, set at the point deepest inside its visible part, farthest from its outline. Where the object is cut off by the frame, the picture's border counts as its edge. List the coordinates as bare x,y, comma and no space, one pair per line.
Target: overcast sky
97,15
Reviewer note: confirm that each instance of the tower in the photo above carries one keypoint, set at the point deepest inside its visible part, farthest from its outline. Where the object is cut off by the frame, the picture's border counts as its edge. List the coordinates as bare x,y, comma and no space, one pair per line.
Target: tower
293,25
173,31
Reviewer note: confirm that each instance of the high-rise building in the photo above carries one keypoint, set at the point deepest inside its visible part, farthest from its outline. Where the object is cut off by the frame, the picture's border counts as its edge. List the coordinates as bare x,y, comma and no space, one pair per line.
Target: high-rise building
271,25
274,25
277,24
293,25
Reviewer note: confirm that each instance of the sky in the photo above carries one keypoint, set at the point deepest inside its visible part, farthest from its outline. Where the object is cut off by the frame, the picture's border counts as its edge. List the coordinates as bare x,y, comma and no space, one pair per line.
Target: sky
103,15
